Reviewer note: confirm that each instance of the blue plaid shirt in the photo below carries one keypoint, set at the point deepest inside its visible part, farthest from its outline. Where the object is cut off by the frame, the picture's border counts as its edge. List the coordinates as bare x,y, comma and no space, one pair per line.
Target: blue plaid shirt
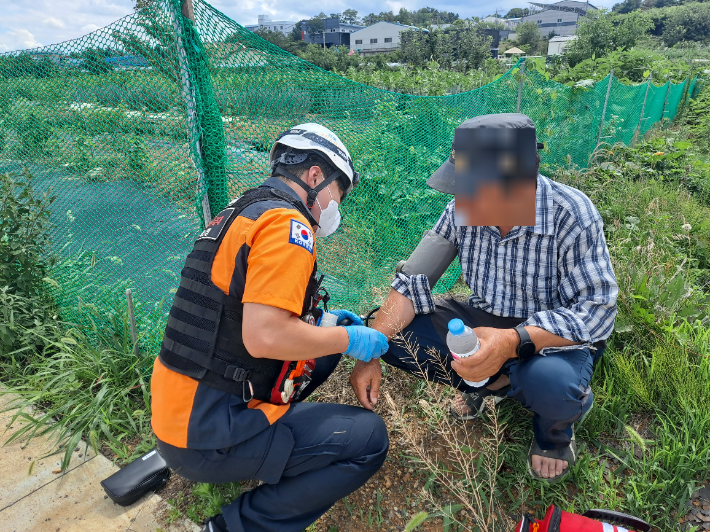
557,274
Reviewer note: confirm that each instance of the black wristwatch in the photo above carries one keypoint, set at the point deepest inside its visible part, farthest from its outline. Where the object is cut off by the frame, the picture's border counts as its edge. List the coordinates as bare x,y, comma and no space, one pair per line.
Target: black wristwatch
526,347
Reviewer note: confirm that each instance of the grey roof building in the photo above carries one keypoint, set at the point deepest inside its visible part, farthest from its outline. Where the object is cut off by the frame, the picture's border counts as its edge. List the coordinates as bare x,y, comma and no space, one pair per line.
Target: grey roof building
336,33
561,18
558,45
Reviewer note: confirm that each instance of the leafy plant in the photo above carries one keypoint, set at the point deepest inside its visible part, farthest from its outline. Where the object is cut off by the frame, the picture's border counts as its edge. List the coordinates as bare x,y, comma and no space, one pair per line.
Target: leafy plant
23,322
87,389
601,33
629,67
34,132
689,22
24,234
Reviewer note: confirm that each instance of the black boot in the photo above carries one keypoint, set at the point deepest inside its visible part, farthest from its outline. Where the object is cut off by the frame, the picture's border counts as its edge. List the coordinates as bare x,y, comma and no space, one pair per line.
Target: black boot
215,524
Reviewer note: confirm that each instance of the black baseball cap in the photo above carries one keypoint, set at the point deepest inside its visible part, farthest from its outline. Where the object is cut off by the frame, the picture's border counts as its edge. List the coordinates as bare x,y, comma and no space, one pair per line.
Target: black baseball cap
444,177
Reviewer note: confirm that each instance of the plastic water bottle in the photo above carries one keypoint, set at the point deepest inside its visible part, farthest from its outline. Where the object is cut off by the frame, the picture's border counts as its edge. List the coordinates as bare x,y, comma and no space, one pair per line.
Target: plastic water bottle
463,342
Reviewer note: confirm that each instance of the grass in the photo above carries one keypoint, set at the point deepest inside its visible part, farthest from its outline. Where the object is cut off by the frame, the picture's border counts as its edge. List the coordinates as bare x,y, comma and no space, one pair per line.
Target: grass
206,501
94,394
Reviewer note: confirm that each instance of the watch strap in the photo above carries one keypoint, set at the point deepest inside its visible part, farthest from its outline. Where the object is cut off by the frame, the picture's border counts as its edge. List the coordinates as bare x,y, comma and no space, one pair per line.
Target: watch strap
526,347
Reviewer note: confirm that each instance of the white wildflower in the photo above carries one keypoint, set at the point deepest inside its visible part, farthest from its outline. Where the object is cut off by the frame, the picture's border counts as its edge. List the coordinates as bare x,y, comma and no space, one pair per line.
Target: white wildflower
687,227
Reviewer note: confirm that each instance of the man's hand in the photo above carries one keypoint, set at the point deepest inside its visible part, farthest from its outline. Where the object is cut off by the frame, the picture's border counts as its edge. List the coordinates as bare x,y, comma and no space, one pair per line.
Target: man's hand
497,346
365,380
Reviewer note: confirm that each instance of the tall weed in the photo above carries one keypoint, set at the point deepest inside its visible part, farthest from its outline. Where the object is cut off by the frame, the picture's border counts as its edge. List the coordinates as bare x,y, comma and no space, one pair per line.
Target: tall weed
24,260
85,390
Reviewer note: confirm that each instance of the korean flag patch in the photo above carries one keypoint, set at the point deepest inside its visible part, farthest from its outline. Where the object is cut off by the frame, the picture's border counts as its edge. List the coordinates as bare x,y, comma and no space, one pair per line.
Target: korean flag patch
301,235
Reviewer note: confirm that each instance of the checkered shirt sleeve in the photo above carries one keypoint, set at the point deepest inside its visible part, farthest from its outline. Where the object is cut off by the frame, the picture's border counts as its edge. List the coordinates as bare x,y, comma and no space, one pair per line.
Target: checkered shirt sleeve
587,290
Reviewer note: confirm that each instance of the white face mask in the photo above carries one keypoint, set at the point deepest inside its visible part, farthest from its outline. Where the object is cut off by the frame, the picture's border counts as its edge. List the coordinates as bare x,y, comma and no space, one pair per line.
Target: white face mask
329,218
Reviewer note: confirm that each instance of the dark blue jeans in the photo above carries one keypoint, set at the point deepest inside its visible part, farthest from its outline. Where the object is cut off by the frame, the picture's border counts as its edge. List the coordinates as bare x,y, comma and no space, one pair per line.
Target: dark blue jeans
328,451
555,386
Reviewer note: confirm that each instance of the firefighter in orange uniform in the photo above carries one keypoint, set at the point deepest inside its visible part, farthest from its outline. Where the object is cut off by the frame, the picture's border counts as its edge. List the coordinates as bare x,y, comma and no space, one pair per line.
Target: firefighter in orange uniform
242,350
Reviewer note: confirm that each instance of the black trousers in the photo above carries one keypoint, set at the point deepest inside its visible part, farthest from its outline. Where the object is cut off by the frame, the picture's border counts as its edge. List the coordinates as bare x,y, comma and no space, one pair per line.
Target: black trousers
555,386
335,450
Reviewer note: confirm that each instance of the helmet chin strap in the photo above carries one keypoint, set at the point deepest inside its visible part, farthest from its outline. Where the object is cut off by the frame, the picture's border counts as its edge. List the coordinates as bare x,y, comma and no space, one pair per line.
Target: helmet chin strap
312,192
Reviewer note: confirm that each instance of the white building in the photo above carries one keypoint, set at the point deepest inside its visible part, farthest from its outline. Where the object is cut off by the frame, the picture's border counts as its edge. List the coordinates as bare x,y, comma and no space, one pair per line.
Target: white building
561,18
378,38
265,23
558,45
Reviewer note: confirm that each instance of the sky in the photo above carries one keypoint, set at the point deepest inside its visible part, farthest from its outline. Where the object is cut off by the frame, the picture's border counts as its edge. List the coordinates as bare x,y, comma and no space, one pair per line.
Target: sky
29,24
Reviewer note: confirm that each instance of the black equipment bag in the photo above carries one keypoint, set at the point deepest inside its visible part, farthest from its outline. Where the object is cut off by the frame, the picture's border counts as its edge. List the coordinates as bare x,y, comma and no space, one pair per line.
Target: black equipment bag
149,472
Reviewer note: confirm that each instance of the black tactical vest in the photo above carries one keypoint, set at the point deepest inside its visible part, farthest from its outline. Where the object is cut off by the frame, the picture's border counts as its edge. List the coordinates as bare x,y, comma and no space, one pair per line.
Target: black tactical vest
203,337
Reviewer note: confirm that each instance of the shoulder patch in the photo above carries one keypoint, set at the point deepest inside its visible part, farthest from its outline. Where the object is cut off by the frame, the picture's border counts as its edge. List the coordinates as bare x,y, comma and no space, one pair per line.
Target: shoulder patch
216,226
301,235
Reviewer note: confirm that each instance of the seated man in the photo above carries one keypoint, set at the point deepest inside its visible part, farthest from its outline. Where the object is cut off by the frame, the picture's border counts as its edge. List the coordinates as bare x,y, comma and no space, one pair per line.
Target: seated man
241,351
543,300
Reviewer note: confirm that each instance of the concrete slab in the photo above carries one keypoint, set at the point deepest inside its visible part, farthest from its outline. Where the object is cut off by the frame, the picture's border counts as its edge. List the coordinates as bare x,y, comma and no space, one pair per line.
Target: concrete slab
70,502
76,502
23,465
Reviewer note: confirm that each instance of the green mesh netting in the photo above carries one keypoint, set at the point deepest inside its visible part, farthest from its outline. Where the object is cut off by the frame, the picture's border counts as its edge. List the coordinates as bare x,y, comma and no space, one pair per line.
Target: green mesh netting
145,127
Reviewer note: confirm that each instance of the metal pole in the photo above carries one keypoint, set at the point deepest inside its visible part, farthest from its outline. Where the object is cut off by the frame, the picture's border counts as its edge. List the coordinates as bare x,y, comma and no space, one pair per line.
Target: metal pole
191,104
665,102
132,320
684,97
520,86
606,102
643,108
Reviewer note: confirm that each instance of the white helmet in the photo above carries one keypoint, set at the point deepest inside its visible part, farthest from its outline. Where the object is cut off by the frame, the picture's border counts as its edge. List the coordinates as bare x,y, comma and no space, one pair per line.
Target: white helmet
315,138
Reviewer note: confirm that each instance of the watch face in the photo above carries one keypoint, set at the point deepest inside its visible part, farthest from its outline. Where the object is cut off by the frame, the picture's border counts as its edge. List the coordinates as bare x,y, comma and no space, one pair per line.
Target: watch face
526,350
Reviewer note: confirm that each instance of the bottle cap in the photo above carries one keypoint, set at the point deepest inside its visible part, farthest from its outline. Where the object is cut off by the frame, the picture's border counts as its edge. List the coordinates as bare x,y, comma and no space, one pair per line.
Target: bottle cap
456,327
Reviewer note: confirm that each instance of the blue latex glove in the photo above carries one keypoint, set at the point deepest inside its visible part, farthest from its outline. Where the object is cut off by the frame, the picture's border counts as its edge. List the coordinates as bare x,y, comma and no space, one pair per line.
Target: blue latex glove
342,314
365,343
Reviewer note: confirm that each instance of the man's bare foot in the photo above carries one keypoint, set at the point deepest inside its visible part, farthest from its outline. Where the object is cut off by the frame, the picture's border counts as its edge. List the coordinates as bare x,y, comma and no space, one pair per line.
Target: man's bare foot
543,467
548,467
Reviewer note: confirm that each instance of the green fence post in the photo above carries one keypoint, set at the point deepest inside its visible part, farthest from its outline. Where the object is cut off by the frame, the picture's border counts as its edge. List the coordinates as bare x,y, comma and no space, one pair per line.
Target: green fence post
683,97
665,102
188,92
643,107
208,129
132,321
601,123
520,86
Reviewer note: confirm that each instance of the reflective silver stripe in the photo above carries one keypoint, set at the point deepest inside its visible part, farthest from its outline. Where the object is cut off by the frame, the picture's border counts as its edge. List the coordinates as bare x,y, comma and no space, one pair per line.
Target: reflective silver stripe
606,527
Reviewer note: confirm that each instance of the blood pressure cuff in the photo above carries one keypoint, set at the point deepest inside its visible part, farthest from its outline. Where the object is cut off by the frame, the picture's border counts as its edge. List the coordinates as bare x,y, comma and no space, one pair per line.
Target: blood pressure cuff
149,472
431,257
